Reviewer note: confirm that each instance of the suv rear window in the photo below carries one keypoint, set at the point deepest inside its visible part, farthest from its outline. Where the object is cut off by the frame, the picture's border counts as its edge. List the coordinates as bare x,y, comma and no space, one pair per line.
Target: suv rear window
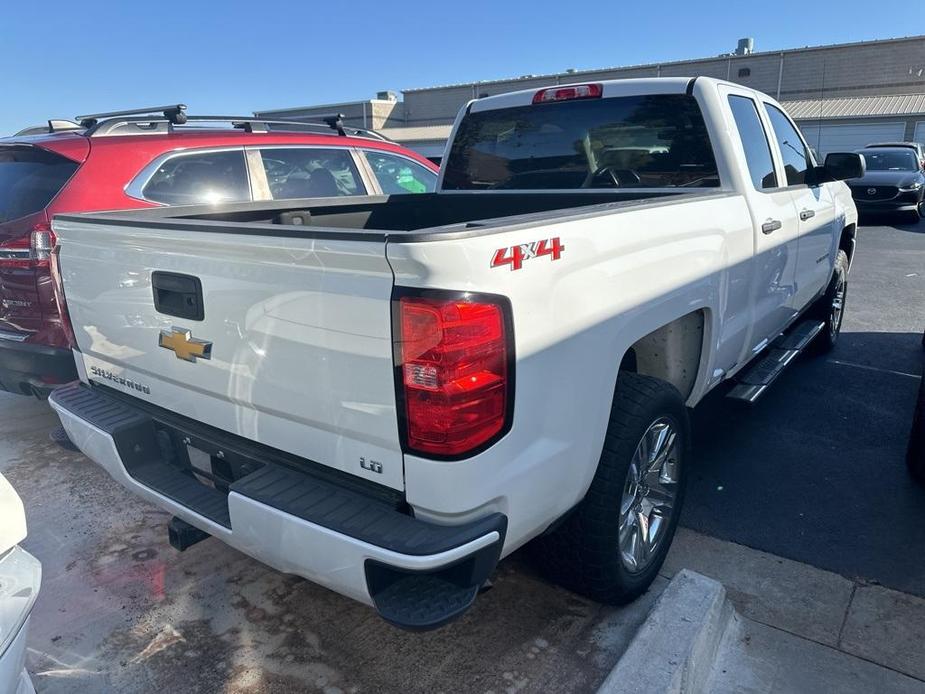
29,178
651,141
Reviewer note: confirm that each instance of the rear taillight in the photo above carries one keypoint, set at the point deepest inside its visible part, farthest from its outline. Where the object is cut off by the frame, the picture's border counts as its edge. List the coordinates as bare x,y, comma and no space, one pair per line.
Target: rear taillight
568,93
61,305
33,250
454,361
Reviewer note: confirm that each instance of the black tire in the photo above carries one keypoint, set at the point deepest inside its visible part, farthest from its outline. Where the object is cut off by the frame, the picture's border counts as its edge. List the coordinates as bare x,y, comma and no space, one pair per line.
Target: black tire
915,453
583,554
824,308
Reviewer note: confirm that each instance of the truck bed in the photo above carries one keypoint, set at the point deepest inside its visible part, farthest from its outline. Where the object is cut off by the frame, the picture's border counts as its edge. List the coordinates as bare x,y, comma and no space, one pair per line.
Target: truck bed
369,217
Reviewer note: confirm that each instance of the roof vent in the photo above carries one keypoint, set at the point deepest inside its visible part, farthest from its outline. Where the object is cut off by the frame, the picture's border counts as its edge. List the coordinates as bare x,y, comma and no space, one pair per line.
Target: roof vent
745,46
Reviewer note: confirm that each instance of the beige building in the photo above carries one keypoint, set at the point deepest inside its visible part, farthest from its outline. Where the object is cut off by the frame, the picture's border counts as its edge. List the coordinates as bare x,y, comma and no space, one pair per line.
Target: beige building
842,95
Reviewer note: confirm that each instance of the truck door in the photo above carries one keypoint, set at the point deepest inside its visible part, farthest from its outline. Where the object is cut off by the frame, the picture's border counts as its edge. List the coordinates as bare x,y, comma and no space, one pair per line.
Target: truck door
815,208
774,219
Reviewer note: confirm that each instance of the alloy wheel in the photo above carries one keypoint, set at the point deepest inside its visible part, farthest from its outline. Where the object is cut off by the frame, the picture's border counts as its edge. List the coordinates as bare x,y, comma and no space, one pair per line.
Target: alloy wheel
649,493
838,304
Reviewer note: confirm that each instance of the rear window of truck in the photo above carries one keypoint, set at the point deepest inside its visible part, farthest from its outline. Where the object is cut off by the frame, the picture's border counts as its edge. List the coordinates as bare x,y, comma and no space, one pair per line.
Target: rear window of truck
651,141
29,178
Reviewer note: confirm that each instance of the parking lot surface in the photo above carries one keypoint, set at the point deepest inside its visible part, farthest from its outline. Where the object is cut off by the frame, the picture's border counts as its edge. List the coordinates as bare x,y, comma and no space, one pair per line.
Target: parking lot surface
814,472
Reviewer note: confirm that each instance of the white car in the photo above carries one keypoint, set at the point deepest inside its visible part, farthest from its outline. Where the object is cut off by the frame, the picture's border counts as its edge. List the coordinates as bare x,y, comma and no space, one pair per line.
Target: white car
389,394
20,578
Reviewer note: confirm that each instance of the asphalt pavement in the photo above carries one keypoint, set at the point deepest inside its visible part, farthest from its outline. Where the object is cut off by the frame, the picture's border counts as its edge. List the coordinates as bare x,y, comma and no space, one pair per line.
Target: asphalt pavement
815,470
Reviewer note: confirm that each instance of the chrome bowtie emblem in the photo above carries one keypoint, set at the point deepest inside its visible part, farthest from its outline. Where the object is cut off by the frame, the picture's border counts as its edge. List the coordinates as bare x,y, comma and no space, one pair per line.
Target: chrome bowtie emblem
184,345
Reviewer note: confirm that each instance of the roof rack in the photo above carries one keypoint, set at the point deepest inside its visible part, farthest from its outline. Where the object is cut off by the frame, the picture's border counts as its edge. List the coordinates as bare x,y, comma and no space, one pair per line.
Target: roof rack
174,113
163,119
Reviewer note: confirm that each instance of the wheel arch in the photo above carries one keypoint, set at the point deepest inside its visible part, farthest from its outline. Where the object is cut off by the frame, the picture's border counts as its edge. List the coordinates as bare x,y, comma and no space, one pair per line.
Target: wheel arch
672,352
848,240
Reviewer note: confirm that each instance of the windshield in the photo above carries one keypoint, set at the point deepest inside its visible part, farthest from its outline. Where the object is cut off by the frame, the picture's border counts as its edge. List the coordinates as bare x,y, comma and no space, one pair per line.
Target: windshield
891,160
29,178
651,141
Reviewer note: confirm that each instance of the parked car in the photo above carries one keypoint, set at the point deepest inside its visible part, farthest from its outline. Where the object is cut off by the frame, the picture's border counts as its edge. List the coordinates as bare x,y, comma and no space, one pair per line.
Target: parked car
137,159
917,147
894,183
20,579
392,394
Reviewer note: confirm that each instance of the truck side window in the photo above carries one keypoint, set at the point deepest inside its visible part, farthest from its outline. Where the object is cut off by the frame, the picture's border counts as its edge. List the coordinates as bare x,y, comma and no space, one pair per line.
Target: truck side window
188,179
310,172
398,175
792,149
754,142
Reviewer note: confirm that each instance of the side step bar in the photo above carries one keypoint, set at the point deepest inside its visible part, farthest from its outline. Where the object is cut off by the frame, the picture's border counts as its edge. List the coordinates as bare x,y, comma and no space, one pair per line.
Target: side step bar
758,377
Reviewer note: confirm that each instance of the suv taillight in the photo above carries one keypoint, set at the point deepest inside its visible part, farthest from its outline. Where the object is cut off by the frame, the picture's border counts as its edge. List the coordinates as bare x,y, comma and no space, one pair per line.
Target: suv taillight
33,250
41,242
454,360
58,288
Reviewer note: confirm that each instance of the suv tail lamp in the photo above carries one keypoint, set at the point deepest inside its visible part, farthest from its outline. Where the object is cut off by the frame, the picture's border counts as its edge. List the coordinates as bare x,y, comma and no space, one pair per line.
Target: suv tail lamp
29,251
569,93
454,371
60,304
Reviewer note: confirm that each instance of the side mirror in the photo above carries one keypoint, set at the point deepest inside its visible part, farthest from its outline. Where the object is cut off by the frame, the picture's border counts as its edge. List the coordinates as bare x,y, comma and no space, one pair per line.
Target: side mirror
841,166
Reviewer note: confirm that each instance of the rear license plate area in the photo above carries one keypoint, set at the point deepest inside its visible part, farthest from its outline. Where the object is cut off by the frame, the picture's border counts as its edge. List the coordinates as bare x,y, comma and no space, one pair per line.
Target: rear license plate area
211,465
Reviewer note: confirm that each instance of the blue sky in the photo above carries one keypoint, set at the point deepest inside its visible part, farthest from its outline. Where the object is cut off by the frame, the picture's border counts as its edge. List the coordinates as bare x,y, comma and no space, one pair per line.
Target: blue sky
231,57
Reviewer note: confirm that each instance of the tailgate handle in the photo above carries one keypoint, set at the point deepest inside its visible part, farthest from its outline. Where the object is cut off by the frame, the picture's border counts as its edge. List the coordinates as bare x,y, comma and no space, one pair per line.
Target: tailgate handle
177,295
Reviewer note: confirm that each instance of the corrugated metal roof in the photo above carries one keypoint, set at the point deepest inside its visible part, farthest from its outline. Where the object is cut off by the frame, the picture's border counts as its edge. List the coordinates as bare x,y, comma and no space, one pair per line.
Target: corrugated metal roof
857,107
419,133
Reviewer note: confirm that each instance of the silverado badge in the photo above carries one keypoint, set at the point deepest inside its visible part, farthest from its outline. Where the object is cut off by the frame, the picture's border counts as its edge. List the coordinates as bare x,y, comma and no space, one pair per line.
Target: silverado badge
184,345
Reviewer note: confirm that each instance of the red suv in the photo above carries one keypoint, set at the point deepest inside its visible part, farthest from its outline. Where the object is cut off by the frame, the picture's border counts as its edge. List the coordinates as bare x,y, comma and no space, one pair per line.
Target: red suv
148,158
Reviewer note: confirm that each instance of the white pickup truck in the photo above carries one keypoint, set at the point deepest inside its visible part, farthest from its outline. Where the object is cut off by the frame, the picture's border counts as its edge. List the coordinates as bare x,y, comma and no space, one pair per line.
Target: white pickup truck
387,395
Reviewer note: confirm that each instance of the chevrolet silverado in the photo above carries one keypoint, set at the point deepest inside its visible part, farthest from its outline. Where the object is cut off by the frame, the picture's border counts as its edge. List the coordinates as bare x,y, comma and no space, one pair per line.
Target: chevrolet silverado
388,394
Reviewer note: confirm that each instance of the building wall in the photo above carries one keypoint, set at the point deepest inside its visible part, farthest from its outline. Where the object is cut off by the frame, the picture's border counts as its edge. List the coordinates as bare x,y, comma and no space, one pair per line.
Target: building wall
876,67
374,114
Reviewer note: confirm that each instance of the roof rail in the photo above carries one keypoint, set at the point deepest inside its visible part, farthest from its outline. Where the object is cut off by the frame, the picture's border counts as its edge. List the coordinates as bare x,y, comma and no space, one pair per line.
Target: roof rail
54,125
150,121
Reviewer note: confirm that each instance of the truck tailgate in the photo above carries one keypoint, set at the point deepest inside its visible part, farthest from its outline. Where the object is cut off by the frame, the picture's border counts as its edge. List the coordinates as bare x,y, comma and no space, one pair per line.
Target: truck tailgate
292,348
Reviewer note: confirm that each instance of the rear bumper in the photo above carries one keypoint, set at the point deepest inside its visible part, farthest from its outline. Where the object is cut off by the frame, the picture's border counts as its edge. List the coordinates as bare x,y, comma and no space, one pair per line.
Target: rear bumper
330,530
28,369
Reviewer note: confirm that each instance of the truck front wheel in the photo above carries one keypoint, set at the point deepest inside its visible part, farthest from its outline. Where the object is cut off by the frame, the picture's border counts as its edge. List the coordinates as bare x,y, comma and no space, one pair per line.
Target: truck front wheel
612,546
830,307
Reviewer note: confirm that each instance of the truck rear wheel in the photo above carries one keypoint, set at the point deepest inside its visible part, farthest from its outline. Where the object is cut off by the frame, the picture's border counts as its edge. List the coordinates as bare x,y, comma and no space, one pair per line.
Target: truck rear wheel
612,546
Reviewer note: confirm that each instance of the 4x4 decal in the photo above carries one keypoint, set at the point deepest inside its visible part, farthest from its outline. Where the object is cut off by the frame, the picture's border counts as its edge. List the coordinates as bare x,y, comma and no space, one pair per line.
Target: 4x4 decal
516,255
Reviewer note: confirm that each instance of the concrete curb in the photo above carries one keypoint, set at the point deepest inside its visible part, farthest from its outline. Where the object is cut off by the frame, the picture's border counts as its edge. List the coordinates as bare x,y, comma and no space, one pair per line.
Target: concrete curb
675,648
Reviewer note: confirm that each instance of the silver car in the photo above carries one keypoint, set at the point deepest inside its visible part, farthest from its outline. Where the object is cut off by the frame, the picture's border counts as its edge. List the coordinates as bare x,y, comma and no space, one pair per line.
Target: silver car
20,578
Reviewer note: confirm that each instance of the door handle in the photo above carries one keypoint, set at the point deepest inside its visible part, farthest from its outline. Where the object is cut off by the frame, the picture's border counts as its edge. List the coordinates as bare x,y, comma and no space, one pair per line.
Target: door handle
770,225
807,214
